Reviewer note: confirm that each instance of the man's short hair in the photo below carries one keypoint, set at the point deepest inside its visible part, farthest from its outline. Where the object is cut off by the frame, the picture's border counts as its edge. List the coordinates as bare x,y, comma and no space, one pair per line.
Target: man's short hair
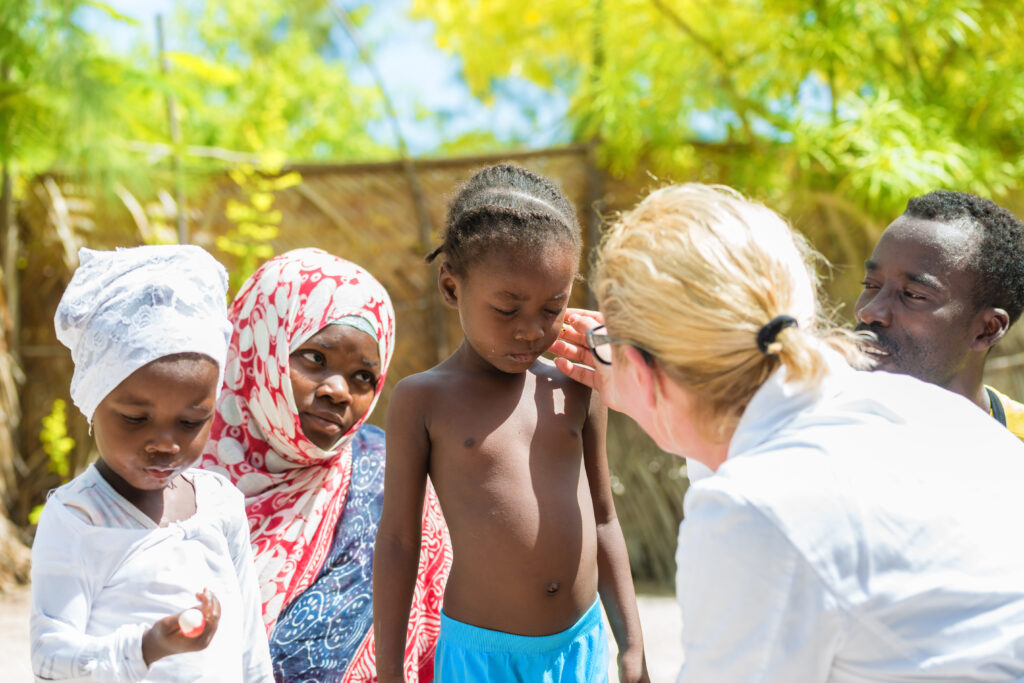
998,260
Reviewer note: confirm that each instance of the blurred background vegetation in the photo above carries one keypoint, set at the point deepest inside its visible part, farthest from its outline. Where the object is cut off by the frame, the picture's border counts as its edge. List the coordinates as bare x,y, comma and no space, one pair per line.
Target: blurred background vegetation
253,126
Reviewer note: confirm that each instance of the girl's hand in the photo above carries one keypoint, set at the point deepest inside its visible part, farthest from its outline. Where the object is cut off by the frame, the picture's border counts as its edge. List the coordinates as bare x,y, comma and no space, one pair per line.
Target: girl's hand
165,638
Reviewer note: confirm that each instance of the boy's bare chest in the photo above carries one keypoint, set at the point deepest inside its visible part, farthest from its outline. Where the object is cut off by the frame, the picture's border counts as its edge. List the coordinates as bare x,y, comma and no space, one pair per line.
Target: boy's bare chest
483,426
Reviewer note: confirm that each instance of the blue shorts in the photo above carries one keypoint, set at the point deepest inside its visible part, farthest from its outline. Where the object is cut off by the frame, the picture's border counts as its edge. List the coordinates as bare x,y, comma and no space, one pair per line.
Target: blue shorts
468,654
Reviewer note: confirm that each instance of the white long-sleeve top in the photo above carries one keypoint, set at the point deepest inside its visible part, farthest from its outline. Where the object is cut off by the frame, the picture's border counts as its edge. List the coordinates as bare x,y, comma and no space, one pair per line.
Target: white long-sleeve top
866,531
103,572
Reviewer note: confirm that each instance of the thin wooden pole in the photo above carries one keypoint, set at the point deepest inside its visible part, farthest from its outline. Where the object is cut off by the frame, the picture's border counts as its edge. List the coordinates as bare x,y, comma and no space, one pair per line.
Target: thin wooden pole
594,217
437,312
172,120
12,248
595,181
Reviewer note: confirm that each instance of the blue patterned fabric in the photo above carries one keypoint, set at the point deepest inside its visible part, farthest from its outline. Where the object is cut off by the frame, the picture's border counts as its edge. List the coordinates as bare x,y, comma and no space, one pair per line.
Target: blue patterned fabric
319,632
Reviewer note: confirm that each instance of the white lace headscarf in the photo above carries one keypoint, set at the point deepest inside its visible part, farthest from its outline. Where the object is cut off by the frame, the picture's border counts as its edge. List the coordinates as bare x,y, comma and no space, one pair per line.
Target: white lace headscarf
124,309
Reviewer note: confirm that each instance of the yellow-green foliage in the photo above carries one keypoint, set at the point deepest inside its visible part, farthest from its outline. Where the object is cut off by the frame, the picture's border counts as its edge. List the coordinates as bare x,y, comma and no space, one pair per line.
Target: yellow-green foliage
53,436
65,99
272,67
256,222
873,101
55,440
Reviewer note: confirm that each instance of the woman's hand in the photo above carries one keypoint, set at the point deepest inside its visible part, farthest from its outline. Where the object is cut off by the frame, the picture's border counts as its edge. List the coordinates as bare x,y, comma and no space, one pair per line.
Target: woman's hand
574,358
165,638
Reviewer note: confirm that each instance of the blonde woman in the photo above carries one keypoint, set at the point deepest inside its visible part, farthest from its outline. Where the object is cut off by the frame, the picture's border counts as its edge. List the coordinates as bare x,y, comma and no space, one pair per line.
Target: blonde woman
858,526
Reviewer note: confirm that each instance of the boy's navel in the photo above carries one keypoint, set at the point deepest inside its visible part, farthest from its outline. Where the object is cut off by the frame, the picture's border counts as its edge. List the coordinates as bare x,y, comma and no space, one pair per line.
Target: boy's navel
553,587
469,443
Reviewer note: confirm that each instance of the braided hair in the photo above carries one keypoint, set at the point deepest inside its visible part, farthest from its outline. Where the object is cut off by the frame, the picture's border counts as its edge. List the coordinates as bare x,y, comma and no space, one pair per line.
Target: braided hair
505,207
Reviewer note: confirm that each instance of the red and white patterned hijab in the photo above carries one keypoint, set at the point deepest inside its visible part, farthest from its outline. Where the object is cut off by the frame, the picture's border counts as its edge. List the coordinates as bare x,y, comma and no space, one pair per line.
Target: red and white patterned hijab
294,491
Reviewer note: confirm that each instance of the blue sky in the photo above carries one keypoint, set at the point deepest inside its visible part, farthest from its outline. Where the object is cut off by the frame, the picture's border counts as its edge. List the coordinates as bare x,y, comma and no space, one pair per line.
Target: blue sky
417,75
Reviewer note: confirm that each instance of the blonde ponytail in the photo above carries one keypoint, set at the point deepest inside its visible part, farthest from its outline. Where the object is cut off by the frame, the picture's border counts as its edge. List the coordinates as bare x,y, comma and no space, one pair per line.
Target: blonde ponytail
694,274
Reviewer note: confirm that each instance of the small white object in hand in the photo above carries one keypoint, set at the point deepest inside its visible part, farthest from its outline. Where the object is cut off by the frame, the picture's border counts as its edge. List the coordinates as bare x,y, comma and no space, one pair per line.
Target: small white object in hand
191,622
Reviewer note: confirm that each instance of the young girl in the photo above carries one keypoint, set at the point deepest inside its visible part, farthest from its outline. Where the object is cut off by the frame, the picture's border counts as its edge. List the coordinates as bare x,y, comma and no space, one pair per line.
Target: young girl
516,453
129,545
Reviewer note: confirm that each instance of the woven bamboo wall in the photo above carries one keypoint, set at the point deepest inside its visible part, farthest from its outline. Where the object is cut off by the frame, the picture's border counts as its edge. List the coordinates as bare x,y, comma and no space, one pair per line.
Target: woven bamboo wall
362,212
366,213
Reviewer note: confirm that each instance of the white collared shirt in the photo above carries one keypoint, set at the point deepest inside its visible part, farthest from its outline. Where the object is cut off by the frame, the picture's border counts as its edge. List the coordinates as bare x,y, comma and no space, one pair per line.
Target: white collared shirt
843,540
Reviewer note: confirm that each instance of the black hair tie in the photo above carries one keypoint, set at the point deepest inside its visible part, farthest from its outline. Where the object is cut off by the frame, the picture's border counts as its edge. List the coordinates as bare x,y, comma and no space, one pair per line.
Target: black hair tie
767,334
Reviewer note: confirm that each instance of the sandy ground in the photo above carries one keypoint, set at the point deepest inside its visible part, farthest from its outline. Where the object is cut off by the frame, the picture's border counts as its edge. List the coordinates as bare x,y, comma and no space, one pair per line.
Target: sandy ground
663,633
658,614
14,636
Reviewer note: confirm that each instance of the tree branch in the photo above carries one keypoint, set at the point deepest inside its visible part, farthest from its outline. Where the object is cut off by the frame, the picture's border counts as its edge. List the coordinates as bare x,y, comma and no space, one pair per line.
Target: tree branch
419,203
674,17
743,106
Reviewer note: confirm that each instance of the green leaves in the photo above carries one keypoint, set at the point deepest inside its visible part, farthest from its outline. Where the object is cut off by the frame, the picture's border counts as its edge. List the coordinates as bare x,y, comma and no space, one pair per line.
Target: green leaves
880,100
205,70
55,440
256,222
243,71
270,71
110,11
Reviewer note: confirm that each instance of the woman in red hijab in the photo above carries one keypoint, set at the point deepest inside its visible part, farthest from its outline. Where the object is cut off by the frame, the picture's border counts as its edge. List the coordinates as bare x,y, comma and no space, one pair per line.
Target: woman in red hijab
313,336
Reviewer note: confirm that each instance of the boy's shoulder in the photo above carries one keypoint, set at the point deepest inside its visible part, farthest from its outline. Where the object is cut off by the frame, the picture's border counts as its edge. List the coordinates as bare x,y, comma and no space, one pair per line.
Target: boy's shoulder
443,375
426,382
546,368
546,371
415,396
447,381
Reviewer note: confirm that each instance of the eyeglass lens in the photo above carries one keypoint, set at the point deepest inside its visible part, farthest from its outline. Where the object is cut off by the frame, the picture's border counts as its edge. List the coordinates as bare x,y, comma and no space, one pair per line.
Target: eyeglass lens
601,350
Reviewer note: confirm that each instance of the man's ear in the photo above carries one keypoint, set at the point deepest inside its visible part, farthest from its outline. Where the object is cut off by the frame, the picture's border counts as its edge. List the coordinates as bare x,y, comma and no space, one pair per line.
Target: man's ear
448,284
995,323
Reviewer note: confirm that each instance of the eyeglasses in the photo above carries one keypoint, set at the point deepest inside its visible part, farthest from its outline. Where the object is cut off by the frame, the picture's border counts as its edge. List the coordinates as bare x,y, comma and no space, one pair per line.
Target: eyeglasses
600,344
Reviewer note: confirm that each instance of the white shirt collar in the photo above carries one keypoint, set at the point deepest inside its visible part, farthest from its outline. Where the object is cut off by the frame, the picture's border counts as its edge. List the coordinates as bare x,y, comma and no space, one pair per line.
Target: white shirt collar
778,401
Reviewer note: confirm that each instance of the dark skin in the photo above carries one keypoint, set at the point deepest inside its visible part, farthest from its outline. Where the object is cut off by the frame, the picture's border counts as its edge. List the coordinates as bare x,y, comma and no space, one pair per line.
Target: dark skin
516,453
918,300
334,379
149,429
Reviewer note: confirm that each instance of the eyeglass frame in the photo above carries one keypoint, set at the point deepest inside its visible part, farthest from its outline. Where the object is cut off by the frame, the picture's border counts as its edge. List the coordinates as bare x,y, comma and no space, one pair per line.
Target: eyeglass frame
594,339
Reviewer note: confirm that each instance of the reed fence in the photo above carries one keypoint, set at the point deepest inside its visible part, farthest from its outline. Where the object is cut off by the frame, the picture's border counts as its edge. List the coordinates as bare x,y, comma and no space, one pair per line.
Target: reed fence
368,213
